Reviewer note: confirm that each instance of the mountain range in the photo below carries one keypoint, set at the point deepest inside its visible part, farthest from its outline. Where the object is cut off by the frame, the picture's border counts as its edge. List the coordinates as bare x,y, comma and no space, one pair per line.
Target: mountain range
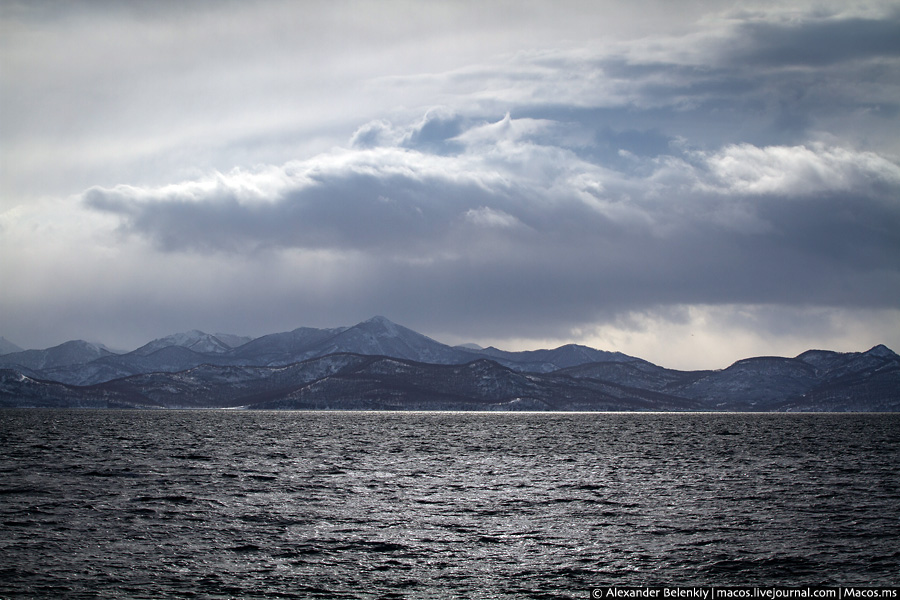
380,365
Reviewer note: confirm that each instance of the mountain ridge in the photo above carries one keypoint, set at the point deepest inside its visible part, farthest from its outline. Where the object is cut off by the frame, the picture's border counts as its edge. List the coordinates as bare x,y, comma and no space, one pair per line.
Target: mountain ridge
384,366
376,336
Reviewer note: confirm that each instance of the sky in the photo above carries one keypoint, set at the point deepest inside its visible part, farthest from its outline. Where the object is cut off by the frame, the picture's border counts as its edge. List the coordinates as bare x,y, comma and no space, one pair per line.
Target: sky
690,182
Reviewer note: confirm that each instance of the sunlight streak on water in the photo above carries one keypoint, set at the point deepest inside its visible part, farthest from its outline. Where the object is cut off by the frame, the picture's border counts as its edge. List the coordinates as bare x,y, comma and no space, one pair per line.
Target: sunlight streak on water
247,504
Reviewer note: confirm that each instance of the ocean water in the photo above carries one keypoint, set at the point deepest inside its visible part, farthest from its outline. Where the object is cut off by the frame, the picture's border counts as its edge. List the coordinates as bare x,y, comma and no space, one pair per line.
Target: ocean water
233,504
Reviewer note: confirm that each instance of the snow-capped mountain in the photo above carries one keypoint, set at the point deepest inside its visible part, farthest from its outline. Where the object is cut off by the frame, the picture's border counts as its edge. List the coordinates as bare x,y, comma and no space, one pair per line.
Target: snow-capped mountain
379,364
75,352
343,381
814,380
377,336
545,361
282,348
796,383
197,341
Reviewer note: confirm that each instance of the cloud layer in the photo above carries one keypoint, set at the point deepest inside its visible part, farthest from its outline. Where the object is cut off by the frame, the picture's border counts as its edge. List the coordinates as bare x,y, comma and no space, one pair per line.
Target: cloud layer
742,163
744,224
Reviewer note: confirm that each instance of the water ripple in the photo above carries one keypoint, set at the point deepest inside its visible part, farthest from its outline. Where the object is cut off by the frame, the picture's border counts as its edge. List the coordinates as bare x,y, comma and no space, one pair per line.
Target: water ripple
208,504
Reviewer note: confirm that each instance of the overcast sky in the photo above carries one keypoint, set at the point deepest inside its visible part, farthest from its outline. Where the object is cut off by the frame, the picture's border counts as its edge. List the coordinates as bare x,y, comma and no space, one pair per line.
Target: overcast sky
689,182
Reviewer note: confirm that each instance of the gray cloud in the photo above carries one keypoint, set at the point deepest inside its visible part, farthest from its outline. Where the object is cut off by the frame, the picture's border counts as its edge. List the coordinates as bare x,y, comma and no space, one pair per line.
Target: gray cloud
818,41
514,185
759,81
435,133
524,230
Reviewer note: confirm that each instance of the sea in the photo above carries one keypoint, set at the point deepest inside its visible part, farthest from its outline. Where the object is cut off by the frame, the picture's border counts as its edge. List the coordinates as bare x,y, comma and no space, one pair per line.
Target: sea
245,504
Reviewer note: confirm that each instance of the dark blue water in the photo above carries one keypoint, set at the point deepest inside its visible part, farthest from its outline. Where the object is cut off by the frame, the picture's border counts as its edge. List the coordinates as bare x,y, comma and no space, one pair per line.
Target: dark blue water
224,504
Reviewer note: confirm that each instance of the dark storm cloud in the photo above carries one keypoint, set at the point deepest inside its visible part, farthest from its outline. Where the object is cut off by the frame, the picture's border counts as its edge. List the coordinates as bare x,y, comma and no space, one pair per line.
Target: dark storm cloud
512,223
499,182
674,173
754,81
348,210
817,42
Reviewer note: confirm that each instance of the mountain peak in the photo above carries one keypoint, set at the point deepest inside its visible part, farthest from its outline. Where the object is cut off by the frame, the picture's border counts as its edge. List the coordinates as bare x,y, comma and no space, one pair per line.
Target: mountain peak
405,362
73,352
882,351
378,319
383,323
195,340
